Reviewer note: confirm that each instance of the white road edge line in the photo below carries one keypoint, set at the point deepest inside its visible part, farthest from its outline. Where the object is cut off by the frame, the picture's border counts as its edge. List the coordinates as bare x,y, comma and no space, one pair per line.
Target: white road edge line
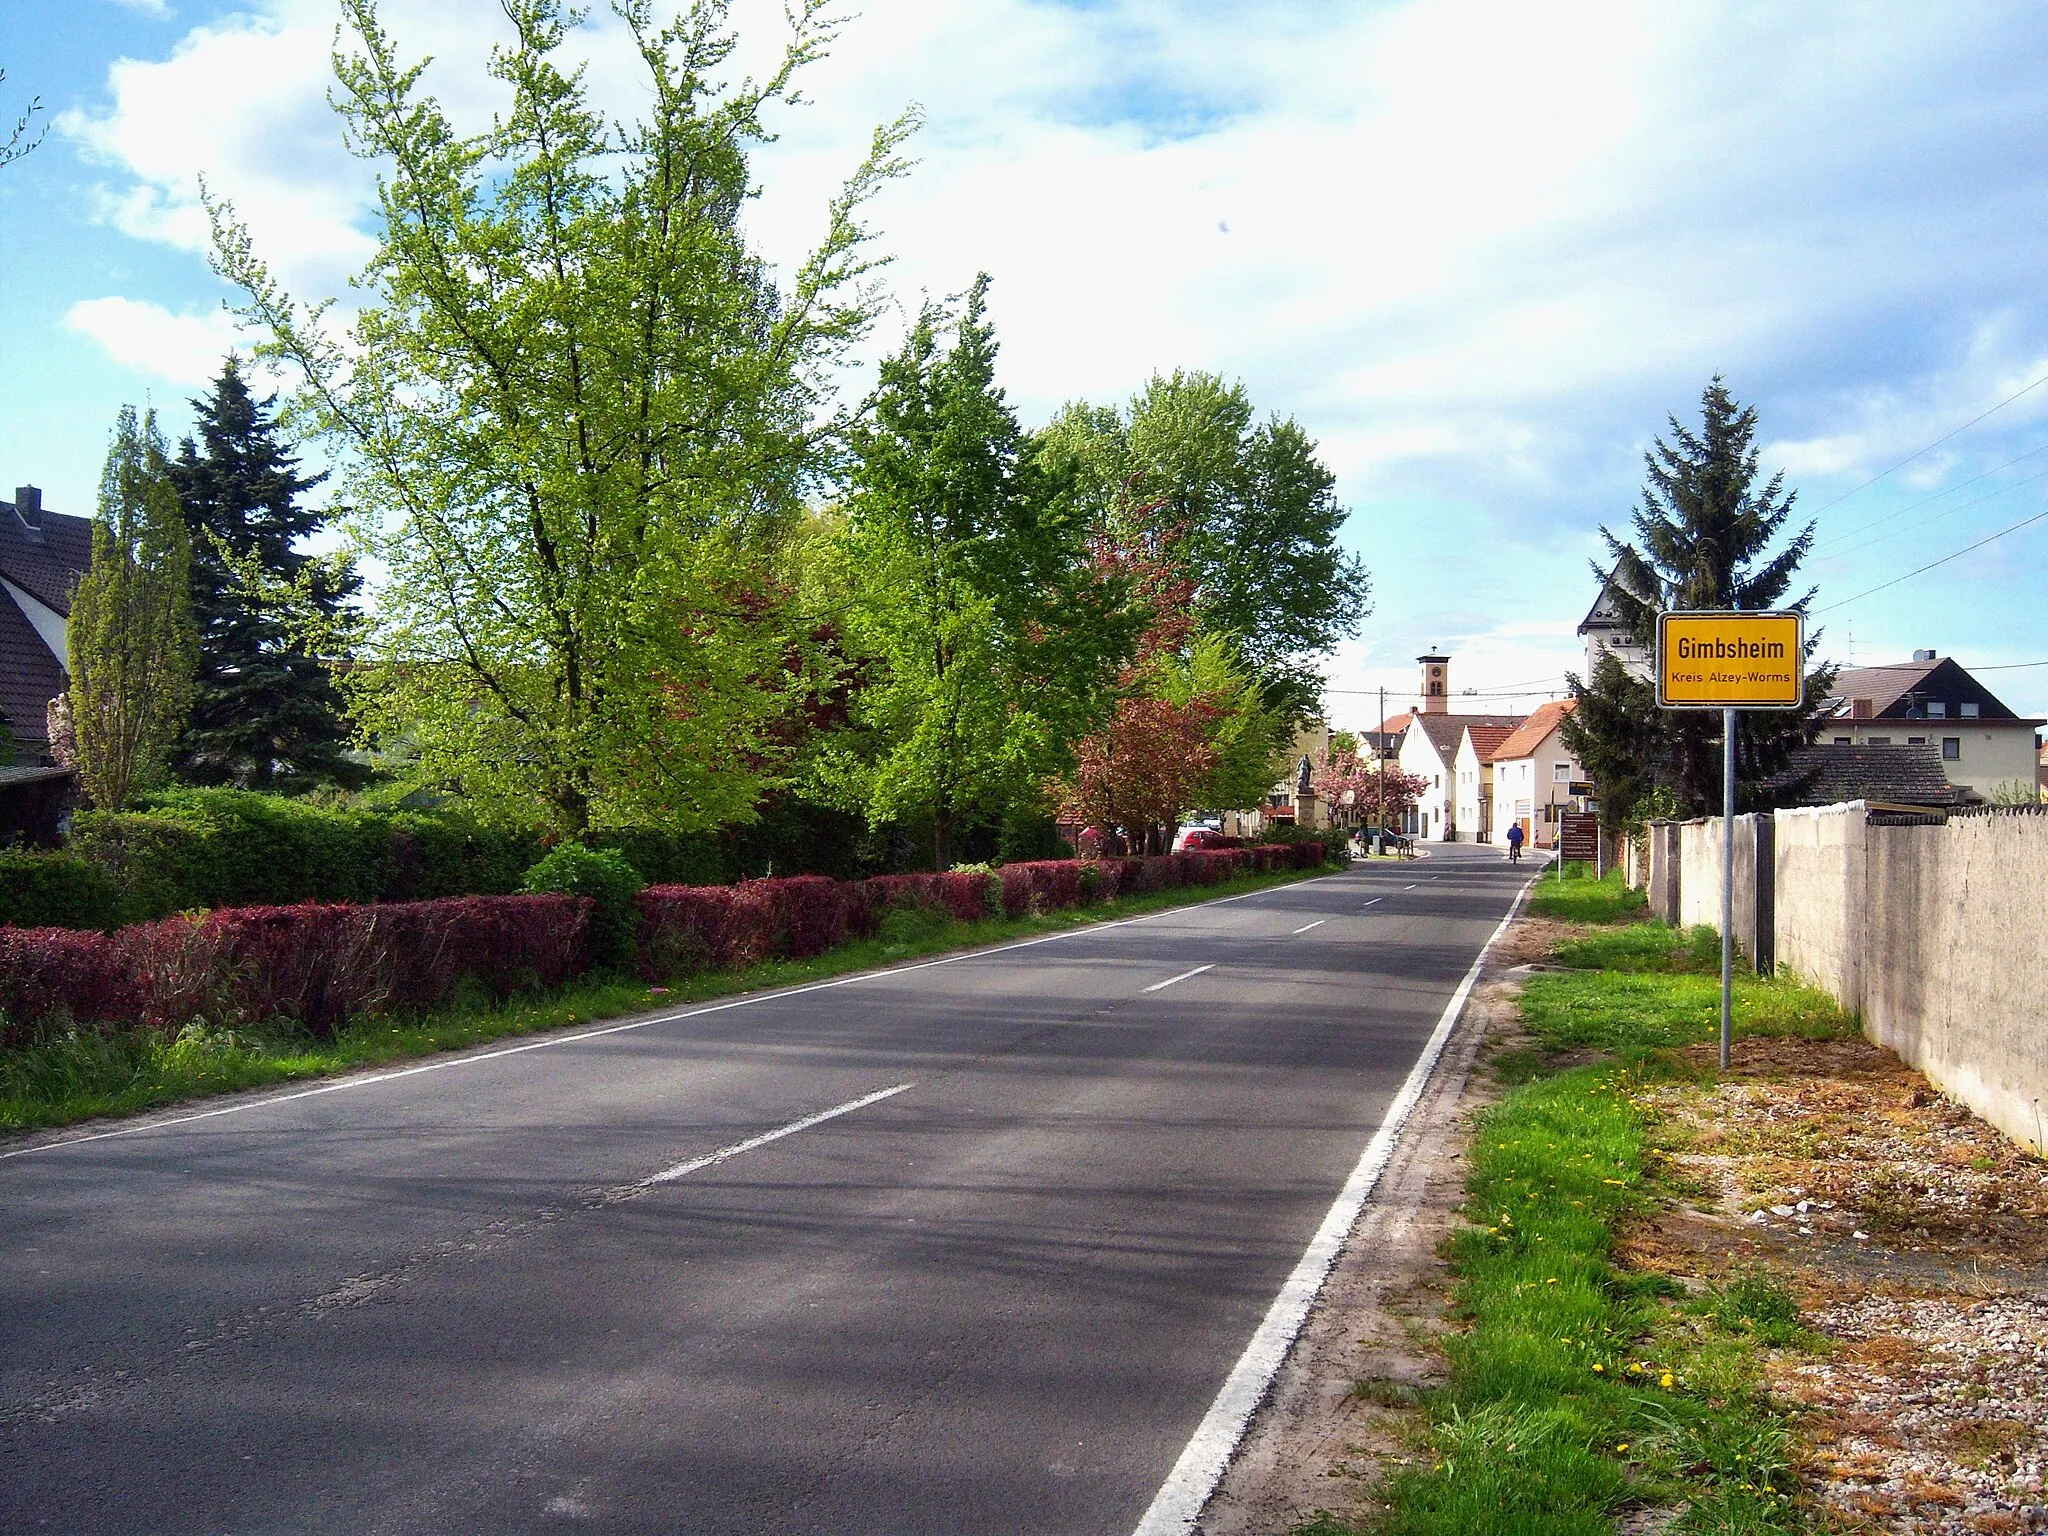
1183,976
342,1085
1304,928
1178,1504
669,1175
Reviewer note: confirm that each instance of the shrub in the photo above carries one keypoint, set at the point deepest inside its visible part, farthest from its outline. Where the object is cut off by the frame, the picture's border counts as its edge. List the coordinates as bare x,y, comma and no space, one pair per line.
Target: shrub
313,965
57,890
611,882
687,928
60,974
1046,885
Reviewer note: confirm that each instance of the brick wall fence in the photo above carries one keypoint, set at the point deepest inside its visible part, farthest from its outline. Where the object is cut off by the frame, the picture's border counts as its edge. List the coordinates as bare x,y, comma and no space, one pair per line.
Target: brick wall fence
1932,929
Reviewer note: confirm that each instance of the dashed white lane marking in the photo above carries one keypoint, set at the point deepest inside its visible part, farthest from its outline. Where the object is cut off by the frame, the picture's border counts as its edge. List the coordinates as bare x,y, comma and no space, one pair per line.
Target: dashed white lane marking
1407,887
668,1175
1304,928
1178,1504
1183,976
1373,903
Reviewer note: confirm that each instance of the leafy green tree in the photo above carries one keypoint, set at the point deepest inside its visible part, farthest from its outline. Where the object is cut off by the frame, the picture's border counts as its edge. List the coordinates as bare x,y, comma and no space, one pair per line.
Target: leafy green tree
265,713
1258,508
576,416
1705,532
130,630
989,642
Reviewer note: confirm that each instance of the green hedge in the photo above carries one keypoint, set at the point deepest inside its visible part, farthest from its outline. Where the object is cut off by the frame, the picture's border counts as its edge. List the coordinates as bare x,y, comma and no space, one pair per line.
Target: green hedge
57,890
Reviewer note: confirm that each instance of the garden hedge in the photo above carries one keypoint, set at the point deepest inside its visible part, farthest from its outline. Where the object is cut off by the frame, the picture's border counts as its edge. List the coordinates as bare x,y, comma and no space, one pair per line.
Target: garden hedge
321,964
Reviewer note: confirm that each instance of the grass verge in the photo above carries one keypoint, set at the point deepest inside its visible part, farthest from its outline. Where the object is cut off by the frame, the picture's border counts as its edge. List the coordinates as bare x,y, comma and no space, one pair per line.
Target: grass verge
1579,1388
1579,898
76,1074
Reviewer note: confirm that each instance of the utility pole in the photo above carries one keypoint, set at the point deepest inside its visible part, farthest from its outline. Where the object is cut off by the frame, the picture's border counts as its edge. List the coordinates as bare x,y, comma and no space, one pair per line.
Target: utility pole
1382,754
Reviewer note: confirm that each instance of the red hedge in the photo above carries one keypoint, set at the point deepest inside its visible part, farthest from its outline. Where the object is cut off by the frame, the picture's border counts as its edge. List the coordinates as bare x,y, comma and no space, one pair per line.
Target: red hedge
320,965
317,965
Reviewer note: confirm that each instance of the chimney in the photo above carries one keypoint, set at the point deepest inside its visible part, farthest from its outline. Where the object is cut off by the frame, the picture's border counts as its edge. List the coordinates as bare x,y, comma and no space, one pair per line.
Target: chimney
1859,709
1924,656
28,505
1436,683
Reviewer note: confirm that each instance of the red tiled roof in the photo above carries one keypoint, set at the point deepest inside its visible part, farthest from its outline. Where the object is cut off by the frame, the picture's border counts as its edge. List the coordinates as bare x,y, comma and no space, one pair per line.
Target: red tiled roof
1528,736
1487,737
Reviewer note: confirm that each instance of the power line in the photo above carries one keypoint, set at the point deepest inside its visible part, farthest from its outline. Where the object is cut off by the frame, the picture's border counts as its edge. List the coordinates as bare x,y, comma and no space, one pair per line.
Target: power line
1909,458
1850,533
1948,512
1930,565
2011,666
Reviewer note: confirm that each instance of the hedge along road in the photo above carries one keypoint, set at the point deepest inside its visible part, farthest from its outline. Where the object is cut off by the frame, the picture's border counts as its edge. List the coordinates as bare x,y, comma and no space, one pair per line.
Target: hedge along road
971,1246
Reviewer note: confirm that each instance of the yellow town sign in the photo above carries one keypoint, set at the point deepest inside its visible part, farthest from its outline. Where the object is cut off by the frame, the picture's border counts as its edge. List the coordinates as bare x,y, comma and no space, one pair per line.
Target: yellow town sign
1731,660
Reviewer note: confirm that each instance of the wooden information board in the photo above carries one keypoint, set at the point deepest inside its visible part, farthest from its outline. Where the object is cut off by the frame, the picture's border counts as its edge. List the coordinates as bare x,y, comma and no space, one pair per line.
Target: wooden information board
1578,837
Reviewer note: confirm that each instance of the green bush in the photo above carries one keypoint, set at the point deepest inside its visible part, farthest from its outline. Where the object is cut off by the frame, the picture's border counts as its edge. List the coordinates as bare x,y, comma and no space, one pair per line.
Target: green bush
608,879
57,890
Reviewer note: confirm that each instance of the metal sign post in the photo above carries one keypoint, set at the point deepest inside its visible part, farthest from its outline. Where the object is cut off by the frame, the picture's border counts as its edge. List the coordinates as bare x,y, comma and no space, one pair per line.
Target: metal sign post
1730,661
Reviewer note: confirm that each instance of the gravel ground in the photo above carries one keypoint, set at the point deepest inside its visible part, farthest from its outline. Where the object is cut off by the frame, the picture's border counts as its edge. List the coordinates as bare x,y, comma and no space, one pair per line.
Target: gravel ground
1914,1237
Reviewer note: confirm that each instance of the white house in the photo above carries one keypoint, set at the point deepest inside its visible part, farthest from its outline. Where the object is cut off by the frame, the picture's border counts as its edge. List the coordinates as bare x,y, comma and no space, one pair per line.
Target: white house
1472,769
1931,701
1535,777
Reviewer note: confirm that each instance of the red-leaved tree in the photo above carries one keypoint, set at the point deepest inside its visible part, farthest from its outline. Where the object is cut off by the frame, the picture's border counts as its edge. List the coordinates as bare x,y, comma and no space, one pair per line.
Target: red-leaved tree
1375,798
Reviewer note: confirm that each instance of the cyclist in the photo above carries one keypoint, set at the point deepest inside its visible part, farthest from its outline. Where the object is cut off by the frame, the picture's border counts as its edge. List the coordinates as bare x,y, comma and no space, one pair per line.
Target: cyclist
1515,843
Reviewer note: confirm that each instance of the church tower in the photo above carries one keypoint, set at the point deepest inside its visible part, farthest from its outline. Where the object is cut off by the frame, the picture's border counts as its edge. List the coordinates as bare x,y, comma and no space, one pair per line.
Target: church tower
1436,684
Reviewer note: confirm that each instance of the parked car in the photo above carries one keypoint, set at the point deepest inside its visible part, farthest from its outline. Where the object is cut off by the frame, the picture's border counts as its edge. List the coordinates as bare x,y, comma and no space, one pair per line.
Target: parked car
1190,839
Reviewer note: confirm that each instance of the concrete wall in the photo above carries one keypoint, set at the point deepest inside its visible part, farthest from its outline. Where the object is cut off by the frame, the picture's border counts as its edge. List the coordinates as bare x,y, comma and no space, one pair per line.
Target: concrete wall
1936,935
1699,885
1661,877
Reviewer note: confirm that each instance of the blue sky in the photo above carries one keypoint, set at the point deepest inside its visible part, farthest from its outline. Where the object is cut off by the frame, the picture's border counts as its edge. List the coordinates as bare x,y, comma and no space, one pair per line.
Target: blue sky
1479,249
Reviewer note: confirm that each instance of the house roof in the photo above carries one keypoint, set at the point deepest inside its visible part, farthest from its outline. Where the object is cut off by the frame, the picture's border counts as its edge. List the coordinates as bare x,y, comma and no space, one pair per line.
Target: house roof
43,554
29,677
1827,774
1446,731
1898,690
1605,613
45,557
1487,737
1528,734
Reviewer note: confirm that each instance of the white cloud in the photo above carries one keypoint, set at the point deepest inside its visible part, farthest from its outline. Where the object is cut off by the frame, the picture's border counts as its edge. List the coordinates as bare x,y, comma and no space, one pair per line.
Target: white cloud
186,349
156,10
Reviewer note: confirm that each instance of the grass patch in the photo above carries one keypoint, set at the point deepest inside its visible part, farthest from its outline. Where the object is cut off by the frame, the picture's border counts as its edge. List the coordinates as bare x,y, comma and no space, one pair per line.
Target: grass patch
1579,898
1579,1388
75,1074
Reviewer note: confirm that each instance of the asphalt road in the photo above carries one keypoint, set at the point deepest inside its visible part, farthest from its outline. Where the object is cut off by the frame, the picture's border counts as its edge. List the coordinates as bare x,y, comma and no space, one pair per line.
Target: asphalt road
999,1300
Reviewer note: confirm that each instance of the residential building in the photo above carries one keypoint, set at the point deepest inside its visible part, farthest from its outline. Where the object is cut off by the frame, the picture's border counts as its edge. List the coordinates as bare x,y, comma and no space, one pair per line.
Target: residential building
1932,701
1535,777
42,555
1473,770
1603,631
1429,750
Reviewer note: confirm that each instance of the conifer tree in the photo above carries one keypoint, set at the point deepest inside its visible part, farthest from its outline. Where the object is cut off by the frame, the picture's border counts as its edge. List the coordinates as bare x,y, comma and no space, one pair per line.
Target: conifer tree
130,628
1705,531
265,713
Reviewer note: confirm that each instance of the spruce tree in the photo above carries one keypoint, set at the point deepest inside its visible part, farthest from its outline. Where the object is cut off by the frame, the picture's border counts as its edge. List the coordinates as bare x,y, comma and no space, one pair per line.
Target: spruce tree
1704,536
265,713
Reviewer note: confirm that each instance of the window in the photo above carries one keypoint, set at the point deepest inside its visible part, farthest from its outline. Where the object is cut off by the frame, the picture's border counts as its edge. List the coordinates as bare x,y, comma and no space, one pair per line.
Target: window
1916,741
1936,709
1879,741
1951,749
1970,711
1560,773
1844,741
